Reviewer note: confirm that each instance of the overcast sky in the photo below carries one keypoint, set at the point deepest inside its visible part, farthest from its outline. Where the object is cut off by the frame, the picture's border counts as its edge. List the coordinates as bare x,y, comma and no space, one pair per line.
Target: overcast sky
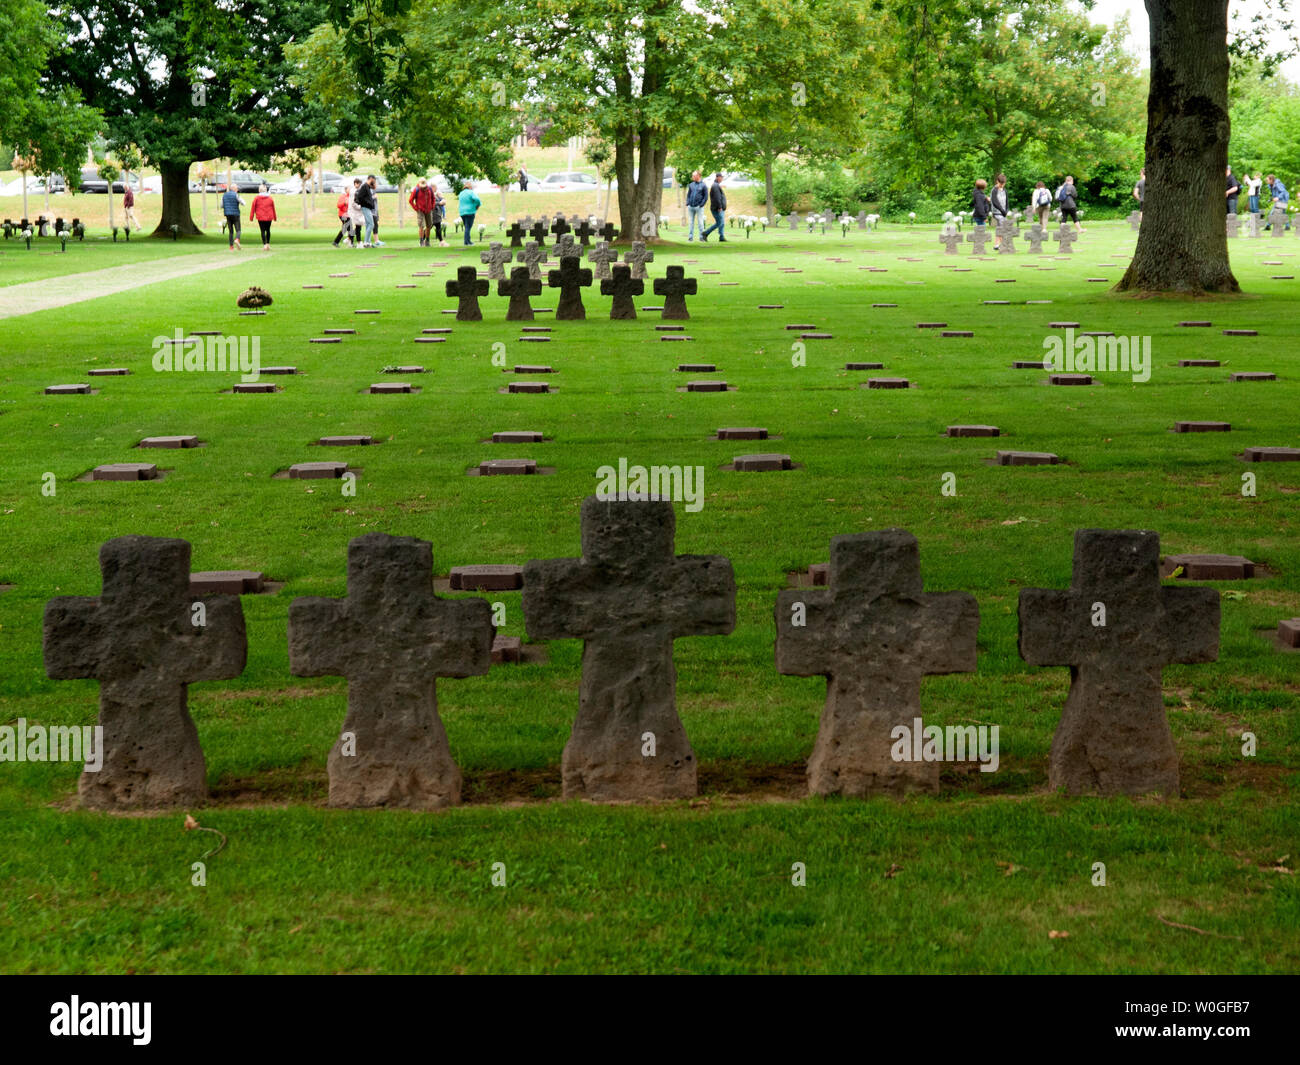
1108,10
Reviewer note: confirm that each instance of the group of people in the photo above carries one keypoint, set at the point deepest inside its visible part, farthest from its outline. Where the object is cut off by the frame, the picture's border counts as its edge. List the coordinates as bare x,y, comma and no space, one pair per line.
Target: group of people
699,195
995,204
1233,187
262,211
358,210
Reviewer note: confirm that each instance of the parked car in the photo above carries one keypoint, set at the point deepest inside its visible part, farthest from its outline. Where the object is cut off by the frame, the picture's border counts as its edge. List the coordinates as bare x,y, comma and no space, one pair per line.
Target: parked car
242,180
151,184
92,182
567,181
291,187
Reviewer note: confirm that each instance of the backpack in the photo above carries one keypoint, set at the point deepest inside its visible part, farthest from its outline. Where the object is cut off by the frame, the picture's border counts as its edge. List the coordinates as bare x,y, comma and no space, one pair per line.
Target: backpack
1042,197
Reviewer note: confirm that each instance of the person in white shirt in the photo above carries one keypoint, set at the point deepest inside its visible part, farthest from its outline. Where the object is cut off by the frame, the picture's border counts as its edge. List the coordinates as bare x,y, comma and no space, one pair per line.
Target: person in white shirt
1253,185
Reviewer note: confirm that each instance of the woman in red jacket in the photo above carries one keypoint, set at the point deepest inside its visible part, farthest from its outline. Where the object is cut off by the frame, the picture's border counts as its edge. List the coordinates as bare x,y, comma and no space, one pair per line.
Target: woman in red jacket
263,213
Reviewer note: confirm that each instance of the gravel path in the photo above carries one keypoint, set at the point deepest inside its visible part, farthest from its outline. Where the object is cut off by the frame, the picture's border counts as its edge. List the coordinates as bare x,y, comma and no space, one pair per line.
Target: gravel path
32,296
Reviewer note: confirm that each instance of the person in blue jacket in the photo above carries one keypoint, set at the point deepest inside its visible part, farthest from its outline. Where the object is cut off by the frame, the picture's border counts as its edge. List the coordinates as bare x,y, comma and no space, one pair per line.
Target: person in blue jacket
231,205
697,195
468,204
718,208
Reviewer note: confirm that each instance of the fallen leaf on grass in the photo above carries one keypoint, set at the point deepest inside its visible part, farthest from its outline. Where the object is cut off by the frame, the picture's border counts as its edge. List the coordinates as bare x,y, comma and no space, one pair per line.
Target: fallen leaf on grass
893,871
1014,521
1008,868
1054,934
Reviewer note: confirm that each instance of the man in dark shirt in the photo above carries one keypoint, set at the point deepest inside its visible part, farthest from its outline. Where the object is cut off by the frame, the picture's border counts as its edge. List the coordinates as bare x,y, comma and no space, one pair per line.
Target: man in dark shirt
717,208
1234,188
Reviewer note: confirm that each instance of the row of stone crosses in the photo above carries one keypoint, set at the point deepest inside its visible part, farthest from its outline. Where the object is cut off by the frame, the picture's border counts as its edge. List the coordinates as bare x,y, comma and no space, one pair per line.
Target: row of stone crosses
1008,229
872,632
622,282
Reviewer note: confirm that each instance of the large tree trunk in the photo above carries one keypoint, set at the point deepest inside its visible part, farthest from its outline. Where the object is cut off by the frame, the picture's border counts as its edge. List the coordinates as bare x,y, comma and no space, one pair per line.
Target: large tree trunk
176,201
771,192
1182,245
624,165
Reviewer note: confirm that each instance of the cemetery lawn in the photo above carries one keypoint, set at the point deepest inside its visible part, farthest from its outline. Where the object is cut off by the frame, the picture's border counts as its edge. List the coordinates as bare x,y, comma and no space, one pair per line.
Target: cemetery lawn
974,880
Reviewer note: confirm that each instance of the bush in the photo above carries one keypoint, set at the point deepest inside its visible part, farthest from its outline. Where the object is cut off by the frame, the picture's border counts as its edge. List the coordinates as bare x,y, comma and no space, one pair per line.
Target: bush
790,185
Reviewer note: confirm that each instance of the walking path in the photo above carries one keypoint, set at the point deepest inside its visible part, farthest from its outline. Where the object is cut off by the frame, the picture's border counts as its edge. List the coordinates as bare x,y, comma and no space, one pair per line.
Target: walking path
32,296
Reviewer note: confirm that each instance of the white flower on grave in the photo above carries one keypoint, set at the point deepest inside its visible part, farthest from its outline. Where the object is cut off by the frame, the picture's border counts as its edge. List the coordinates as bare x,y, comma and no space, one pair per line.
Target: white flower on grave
749,223
947,216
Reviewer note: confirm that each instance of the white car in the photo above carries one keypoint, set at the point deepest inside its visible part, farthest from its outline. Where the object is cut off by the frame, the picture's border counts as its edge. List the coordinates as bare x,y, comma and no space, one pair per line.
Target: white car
566,181
151,184
292,187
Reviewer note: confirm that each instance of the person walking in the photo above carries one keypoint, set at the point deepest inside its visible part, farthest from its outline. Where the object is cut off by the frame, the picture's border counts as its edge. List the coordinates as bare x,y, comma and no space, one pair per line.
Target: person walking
1041,203
717,208
1253,185
1140,191
439,216
365,200
468,205
1279,196
523,180
1233,191
231,205
980,208
422,202
999,206
1068,197
373,182
697,195
263,213
355,218
128,203
344,208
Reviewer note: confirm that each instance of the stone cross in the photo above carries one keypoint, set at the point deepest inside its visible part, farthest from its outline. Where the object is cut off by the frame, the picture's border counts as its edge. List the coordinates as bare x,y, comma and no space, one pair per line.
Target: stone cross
793,219
602,255
145,638
1252,224
1036,235
637,257
978,236
1006,236
468,288
623,286
1116,628
1135,220
570,279
873,633
1065,236
949,238
520,286
1277,220
567,248
560,227
538,233
584,232
527,223
516,234
1234,225
628,598
862,219
391,637
674,287
496,258
533,257
607,232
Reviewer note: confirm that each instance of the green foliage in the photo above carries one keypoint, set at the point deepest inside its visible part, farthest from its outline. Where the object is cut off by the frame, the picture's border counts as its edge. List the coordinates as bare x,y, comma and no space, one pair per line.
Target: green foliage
791,186
1265,112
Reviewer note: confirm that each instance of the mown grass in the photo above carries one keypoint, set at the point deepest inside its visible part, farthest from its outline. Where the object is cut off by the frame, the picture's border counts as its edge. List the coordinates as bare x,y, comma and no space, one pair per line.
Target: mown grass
301,887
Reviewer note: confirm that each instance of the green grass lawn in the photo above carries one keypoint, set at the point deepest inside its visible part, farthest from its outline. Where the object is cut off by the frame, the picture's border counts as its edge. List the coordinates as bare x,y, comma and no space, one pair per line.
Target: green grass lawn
973,880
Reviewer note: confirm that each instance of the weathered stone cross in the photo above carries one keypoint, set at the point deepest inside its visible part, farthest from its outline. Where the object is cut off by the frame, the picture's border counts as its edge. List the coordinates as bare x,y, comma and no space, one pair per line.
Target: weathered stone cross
950,238
520,286
607,232
873,633
628,598
584,232
570,279
560,226
145,638
1065,236
1006,236
565,248
538,233
602,255
516,234
978,236
1036,235
533,257
674,287
467,288
496,258
623,286
391,637
1116,628
1277,221
637,257
793,220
